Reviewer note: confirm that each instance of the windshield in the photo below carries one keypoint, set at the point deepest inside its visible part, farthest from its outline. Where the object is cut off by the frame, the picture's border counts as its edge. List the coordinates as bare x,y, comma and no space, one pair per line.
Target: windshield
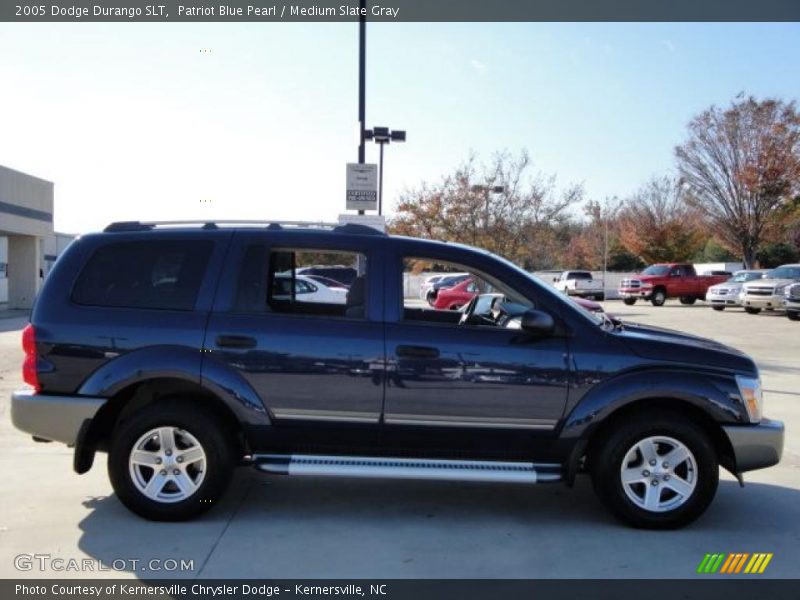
784,273
742,277
656,270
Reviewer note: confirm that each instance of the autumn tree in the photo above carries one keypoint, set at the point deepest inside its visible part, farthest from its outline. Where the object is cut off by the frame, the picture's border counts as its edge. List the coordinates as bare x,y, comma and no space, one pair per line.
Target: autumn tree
739,166
657,225
500,206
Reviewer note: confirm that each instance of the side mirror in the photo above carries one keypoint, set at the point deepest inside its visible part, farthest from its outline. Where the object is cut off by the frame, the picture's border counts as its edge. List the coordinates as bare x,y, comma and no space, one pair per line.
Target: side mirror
538,322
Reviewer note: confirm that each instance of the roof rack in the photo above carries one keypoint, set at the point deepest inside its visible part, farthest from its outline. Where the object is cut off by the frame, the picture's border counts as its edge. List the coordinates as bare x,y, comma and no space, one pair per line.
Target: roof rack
353,228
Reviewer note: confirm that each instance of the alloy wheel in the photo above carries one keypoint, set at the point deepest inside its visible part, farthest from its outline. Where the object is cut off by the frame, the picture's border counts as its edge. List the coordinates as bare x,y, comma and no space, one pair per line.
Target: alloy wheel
659,474
167,464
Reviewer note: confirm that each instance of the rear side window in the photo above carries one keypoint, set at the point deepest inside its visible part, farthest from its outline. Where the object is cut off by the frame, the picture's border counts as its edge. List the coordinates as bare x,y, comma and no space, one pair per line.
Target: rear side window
162,275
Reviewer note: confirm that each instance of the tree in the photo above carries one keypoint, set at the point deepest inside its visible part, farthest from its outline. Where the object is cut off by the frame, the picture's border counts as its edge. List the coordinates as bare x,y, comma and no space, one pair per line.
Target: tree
657,225
739,165
589,240
518,222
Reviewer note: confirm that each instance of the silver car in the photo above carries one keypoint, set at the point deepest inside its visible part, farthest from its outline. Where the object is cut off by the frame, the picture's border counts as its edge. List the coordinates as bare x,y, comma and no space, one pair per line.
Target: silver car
726,294
768,293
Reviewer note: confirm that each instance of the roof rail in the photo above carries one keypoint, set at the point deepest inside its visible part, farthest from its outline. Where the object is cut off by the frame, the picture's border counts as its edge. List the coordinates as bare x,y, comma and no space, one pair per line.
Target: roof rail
352,228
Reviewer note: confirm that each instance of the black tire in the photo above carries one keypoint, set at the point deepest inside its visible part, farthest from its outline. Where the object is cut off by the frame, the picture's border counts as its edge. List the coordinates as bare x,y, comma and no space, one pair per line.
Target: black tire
659,297
216,441
751,311
719,308
599,297
608,456
793,315
689,300
629,301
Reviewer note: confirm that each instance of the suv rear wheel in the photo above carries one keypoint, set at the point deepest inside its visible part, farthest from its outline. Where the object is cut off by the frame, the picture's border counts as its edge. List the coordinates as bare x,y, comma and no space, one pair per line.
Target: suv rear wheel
171,461
658,471
751,311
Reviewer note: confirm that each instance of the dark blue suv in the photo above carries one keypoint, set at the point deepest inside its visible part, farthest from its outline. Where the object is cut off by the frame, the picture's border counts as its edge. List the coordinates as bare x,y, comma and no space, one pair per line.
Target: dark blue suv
185,350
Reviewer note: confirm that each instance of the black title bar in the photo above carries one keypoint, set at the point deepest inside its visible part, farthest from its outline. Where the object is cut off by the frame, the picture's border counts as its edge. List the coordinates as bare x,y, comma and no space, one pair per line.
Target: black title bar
399,10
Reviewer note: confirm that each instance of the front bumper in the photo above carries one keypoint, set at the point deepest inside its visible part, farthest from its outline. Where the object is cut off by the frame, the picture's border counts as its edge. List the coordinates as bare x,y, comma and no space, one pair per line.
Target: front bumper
722,299
635,293
762,301
755,446
55,418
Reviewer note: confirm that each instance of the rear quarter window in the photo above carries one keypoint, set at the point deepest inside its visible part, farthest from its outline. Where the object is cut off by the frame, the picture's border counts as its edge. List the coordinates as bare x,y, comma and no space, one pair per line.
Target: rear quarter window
162,275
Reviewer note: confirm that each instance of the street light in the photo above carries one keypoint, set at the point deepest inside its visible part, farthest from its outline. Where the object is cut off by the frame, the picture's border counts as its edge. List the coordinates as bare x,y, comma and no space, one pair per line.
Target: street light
383,136
487,189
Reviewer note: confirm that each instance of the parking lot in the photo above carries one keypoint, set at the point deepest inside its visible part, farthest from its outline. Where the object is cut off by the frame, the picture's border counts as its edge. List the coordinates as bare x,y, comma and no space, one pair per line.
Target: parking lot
284,527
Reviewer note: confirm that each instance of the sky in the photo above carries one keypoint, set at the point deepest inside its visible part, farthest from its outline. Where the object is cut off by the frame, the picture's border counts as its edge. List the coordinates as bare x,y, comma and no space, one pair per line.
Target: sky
257,120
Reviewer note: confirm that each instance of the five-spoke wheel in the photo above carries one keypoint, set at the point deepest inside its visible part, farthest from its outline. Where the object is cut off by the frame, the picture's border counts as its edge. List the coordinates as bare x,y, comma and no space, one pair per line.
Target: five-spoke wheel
658,469
171,460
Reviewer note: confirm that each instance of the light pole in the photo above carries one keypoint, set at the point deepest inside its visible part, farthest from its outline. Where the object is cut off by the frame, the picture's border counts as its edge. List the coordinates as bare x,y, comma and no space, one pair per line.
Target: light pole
383,136
487,189
362,80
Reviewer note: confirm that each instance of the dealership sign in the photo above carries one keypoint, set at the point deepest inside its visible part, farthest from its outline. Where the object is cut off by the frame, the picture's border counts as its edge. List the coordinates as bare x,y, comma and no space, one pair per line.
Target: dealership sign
362,187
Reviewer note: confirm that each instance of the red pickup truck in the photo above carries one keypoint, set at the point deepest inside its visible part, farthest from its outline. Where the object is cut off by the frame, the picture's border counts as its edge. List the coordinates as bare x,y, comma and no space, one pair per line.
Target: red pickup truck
668,280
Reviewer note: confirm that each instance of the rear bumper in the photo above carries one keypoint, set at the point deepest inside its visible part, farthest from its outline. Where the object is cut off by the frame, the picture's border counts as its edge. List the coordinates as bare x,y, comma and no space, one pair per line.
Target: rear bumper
584,293
55,418
756,446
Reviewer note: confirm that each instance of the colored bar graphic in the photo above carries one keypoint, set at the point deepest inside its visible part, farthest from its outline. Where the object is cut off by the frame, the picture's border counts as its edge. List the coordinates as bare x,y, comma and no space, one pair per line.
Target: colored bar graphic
734,563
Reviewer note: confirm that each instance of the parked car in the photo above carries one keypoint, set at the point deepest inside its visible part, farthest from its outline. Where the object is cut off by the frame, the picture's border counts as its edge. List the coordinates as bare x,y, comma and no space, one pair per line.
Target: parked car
726,294
327,281
579,283
180,383
768,293
340,273
307,289
659,282
448,281
792,301
457,296
427,285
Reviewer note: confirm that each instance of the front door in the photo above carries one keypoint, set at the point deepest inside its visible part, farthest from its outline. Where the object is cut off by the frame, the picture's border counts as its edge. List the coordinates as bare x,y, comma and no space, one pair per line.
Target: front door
476,375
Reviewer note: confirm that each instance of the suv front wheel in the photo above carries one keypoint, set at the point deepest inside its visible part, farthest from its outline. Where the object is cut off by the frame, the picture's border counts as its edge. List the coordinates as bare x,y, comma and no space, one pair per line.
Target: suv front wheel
171,461
658,471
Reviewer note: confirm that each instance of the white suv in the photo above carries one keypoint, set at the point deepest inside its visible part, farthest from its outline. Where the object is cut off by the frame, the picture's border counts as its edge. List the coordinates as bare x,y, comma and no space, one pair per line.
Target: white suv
767,293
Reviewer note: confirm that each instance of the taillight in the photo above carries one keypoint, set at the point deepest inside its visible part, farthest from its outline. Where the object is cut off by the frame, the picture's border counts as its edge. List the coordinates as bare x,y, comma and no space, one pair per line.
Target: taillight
29,374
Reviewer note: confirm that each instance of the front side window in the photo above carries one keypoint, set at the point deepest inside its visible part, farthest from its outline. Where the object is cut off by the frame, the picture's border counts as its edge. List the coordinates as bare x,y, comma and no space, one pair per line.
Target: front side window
287,280
496,303
163,275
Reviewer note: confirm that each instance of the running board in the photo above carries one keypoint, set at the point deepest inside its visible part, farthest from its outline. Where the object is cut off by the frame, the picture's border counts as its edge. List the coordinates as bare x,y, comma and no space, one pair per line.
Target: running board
407,468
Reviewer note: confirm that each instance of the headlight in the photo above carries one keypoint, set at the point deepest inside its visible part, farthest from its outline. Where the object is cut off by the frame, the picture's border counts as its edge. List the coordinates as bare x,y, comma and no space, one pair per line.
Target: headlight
753,399
780,289
647,285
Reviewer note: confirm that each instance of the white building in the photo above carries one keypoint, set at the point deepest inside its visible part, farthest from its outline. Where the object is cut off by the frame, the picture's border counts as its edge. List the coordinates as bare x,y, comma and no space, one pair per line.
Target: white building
28,244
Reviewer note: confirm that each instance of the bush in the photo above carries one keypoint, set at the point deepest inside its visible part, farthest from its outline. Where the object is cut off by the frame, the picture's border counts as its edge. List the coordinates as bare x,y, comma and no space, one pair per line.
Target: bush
777,254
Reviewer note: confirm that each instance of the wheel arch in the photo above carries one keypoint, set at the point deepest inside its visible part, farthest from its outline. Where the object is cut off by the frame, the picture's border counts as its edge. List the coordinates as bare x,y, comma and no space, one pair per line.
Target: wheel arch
709,399
681,408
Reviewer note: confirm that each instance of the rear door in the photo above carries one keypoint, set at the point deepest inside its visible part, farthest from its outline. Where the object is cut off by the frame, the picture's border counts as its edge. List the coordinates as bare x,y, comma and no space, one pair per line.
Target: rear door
310,362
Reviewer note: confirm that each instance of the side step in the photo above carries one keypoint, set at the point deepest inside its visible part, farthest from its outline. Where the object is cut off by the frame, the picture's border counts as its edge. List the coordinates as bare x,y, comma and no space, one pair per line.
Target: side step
407,468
